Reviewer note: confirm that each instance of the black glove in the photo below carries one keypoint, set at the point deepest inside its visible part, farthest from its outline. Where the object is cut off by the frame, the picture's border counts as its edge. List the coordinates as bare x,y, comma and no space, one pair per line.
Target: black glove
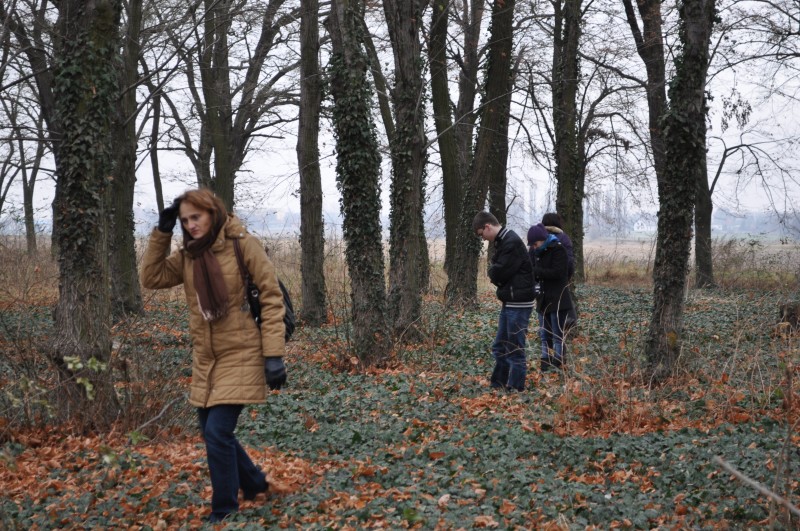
275,371
168,217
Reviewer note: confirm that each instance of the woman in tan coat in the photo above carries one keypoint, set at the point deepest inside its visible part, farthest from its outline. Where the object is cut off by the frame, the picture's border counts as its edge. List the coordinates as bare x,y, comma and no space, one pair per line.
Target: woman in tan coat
232,359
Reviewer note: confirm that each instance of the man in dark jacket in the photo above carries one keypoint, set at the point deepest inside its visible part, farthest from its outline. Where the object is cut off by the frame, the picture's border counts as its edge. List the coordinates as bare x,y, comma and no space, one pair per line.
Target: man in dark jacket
511,271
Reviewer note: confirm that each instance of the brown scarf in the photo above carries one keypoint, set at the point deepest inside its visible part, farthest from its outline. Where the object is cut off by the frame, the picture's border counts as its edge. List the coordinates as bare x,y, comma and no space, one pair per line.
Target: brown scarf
209,283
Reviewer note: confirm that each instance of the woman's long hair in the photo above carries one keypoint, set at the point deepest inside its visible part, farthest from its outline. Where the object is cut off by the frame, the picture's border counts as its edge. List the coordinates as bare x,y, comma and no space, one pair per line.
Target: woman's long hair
204,199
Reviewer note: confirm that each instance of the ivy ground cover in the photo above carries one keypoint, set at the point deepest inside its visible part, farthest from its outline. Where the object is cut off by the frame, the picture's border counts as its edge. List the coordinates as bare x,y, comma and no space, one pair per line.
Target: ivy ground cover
424,443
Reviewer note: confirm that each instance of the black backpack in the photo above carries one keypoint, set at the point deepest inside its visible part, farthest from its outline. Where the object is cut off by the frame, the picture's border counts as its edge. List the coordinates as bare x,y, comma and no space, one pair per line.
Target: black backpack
251,291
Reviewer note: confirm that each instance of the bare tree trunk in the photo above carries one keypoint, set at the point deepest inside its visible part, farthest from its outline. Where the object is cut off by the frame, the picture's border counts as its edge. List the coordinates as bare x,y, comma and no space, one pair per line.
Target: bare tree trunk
703,214
465,115
462,284
497,178
28,186
12,164
27,207
36,50
312,238
358,175
381,88
15,162
686,143
216,91
85,92
125,292
442,117
408,252
568,153
650,46
205,177
455,135
153,151
227,130
703,211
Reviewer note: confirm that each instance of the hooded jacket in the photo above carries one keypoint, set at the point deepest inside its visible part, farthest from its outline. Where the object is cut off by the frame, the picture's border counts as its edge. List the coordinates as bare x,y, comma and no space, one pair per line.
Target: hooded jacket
566,242
227,354
550,266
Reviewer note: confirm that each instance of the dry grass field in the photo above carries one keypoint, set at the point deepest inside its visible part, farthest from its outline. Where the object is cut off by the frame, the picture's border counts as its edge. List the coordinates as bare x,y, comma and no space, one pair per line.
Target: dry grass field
765,264
738,262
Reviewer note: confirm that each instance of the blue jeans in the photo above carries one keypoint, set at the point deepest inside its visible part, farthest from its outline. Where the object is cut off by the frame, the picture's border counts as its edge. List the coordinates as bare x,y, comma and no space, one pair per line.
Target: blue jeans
551,331
508,349
228,463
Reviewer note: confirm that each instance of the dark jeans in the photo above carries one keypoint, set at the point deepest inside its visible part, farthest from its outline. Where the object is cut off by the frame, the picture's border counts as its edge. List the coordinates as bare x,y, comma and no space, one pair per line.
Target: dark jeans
228,463
551,331
508,349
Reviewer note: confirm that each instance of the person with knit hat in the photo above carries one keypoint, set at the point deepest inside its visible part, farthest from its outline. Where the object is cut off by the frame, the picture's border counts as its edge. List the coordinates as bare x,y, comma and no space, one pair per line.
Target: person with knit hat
510,270
554,225
551,271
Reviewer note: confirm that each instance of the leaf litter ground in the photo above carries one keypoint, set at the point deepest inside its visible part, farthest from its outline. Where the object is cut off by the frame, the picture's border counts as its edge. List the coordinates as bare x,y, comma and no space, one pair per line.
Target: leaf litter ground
423,443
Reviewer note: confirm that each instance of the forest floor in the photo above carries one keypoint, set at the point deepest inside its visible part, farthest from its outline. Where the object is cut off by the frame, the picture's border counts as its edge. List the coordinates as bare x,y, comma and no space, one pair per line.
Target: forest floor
424,443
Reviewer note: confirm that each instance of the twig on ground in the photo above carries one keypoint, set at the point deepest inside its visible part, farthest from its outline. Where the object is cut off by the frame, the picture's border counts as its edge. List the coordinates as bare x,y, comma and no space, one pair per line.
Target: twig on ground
160,413
756,485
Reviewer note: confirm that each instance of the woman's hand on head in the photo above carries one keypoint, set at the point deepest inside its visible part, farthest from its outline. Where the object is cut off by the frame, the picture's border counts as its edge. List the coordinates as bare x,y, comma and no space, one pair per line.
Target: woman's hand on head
169,217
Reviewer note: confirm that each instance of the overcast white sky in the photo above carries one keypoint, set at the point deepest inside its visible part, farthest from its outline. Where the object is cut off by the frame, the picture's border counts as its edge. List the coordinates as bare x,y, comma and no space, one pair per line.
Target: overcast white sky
269,181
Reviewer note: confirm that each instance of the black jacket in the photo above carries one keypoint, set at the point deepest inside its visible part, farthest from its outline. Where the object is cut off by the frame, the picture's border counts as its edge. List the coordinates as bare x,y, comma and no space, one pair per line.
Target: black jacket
511,270
551,269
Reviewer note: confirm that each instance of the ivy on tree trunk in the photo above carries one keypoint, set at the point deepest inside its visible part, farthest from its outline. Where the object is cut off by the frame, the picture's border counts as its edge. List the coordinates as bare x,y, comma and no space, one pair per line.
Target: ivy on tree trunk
358,179
86,91
685,136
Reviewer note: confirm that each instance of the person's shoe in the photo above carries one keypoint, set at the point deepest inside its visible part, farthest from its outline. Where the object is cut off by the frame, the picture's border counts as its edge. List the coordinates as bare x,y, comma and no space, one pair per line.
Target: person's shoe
546,364
215,518
250,495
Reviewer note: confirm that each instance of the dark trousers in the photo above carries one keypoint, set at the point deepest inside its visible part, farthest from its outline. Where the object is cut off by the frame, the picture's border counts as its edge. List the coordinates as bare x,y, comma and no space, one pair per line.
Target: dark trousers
552,330
228,463
508,349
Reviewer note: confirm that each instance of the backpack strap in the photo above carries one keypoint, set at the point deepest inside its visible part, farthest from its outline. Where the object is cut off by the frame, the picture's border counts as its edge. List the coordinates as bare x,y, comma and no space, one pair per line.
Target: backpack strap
250,288
246,279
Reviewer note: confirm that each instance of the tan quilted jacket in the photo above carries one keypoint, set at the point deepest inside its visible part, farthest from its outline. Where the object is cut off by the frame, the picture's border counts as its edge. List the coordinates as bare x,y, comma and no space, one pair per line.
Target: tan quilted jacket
227,355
